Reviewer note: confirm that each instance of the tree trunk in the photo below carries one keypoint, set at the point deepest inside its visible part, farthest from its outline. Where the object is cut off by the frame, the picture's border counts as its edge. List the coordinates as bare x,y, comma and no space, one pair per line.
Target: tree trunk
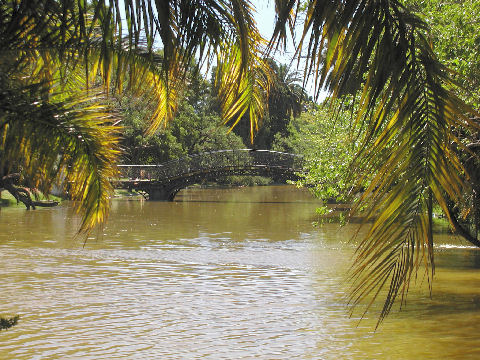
21,194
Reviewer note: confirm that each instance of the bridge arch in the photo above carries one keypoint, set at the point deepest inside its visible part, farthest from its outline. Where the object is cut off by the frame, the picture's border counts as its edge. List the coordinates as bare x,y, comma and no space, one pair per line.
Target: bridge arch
163,181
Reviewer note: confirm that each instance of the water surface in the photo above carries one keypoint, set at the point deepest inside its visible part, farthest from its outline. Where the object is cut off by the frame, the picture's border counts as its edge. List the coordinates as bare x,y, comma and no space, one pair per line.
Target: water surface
218,274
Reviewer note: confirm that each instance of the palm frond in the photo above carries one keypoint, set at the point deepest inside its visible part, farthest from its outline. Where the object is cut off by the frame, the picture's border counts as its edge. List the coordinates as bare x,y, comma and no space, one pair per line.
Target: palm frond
411,157
242,91
50,44
379,50
70,141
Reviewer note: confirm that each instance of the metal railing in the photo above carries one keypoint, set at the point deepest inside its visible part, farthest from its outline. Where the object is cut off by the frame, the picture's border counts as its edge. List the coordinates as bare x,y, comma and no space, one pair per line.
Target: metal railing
214,160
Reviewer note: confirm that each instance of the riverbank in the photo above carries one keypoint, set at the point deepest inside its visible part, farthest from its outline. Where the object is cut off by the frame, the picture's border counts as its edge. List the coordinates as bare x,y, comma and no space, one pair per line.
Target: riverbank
8,201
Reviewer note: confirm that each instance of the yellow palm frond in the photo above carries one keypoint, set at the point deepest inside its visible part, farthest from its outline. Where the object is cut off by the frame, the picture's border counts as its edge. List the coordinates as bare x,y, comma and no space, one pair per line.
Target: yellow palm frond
69,141
242,91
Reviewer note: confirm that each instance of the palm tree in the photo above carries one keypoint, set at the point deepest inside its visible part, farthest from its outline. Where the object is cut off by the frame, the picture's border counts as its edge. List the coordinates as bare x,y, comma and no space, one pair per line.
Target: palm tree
286,97
409,114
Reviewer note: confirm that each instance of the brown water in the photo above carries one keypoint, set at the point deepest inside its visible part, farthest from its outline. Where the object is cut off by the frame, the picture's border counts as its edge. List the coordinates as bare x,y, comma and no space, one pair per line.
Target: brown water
218,274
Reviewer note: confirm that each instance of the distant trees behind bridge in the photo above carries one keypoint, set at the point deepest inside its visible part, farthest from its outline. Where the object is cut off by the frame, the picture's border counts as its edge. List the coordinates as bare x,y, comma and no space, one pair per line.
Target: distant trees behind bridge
198,126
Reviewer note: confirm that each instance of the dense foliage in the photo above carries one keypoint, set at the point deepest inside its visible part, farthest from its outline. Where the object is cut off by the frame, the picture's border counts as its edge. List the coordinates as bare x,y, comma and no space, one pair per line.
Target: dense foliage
328,143
454,31
456,39
197,127
286,99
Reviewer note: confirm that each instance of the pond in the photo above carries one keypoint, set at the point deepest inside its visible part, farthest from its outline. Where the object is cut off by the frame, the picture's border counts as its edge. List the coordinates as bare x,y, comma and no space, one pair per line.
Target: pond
238,273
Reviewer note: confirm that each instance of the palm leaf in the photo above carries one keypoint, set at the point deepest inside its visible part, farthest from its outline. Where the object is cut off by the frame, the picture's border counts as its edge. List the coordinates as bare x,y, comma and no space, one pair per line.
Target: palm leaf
409,117
242,91
69,142
53,45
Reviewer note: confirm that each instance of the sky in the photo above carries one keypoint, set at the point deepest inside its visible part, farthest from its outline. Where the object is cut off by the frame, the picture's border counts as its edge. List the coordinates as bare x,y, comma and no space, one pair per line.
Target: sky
265,18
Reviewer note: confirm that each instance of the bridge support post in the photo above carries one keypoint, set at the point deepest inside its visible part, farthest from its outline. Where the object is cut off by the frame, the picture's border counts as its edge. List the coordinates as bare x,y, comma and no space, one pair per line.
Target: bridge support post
156,193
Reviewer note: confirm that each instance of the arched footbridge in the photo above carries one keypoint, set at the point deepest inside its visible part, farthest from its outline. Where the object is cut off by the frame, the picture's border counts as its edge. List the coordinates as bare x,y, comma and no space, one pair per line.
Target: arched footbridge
163,181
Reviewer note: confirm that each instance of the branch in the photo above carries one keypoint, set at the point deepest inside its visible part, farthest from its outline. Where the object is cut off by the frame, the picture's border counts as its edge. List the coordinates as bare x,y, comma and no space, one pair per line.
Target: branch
461,230
8,323
21,194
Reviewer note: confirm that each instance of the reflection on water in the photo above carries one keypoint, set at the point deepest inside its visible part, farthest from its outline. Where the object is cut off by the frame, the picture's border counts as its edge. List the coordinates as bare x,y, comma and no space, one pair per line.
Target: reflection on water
218,274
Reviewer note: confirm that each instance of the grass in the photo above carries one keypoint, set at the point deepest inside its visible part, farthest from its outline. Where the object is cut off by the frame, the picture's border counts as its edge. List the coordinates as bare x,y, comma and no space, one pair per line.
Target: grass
125,193
7,199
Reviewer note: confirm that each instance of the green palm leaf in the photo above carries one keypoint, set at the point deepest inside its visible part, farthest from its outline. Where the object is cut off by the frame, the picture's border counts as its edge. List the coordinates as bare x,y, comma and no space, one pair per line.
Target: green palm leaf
54,46
374,49
378,50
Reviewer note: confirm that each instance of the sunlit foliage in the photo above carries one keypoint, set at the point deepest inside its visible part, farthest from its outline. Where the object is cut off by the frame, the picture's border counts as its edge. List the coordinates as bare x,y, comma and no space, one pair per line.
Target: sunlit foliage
60,59
380,52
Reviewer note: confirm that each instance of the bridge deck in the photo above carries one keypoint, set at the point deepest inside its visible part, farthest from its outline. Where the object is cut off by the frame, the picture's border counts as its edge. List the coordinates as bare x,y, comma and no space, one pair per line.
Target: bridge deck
166,179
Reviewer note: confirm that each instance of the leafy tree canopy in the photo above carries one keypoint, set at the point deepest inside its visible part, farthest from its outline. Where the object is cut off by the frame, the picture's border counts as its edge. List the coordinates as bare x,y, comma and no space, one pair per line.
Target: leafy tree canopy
328,143
197,128
454,30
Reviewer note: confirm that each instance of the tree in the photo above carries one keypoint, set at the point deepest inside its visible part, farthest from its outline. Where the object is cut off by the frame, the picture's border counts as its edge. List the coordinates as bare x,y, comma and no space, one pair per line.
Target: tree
67,137
197,128
60,59
408,113
285,99
328,144
455,35
407,116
